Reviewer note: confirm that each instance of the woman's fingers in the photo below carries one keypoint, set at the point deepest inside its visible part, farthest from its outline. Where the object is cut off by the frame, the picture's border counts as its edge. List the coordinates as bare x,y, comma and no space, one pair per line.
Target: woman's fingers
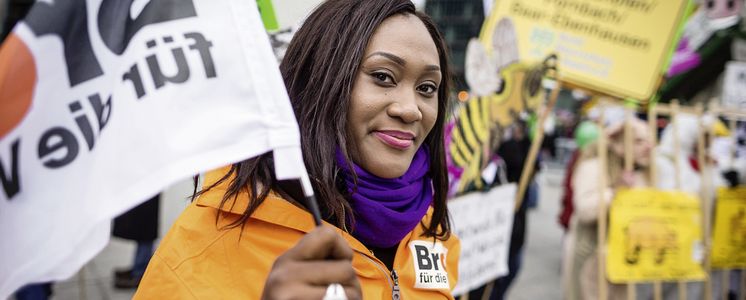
325,272
321,258
321,273
321,243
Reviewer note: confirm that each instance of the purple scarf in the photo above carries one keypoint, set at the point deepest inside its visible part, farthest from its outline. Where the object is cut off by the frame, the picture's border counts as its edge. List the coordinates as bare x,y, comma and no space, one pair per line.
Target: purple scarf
386,210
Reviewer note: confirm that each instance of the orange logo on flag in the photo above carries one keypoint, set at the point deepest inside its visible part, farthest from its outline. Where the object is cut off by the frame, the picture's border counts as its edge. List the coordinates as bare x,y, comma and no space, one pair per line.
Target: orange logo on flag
17,80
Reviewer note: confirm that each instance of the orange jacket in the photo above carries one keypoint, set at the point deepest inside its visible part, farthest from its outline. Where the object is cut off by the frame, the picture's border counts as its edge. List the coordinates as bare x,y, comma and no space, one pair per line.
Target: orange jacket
198,260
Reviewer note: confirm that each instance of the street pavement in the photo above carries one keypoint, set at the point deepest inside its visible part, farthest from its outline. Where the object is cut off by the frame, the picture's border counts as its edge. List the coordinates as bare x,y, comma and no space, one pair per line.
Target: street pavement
539,277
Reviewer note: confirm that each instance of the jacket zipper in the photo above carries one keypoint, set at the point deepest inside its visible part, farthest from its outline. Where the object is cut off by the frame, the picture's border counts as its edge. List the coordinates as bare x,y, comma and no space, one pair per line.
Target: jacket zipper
395,293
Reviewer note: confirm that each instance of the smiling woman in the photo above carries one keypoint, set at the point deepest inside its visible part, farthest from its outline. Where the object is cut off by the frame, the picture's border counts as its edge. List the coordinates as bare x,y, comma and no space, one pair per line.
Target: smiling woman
368,81
394,97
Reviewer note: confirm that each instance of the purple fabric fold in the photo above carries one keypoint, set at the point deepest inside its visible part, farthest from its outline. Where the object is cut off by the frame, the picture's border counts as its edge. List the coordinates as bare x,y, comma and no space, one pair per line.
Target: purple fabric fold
387,209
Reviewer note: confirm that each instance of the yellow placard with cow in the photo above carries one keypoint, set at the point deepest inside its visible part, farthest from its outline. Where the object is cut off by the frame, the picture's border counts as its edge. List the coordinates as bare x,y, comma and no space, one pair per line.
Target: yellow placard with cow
654,235
729,235
615,47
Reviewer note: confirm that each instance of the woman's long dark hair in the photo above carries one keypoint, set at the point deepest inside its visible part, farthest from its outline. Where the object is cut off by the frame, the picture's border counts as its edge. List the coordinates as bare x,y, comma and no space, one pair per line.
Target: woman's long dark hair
319,70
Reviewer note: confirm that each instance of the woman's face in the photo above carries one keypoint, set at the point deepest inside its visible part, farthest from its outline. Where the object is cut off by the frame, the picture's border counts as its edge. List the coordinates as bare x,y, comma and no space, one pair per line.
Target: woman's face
394,101
642,144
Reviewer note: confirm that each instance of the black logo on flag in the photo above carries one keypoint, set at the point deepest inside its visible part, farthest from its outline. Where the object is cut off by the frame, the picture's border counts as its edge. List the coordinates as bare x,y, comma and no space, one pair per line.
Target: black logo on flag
68,20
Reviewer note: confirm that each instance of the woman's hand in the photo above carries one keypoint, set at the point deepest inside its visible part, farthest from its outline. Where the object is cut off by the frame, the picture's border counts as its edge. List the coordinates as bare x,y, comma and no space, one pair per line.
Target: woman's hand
320,258
627,179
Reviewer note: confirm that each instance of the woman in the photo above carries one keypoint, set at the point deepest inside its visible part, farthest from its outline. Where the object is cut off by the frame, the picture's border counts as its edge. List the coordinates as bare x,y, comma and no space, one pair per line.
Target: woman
581,265
368,81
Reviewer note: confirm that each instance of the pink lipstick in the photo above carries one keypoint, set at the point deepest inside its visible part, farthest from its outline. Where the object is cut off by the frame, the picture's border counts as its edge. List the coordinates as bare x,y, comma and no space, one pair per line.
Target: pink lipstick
396,139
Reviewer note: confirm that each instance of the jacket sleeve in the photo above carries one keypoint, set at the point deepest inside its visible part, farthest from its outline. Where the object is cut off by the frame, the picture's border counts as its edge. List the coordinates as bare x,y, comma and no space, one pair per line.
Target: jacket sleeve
161,282
586,191
452,259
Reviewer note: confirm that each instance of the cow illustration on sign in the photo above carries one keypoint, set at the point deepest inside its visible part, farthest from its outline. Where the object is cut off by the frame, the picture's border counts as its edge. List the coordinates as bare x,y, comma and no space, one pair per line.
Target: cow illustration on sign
647,233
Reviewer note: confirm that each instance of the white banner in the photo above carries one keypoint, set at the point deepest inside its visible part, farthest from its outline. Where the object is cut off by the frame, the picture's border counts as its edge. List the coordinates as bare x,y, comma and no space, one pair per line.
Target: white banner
103,103
734,85
483,222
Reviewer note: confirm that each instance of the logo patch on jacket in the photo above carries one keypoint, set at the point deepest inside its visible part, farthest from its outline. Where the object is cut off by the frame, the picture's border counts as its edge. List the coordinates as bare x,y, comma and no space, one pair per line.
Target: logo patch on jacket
429,265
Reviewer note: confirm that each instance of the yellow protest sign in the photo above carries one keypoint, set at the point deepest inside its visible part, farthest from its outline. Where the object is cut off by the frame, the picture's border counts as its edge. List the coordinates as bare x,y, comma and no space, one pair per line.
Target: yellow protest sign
617,47
729,237
654,235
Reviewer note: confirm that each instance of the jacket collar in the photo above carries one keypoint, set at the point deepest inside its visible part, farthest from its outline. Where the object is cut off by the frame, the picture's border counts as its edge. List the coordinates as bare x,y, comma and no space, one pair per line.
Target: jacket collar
274,210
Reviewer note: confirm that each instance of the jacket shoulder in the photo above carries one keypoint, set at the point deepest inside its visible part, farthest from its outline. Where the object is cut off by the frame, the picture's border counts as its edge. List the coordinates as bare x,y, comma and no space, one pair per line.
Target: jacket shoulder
203,257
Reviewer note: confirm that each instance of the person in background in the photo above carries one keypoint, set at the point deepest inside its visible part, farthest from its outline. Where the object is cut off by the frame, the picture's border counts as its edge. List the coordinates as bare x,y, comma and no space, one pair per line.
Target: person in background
515,152
140,225
369,82
585,134
581,269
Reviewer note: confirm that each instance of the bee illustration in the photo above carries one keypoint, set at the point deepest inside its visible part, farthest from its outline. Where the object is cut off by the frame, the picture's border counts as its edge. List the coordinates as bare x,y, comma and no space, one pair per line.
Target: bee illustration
504,88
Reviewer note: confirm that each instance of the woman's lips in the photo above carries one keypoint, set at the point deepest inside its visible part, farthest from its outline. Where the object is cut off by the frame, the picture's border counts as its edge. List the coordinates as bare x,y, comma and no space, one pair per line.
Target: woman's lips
396,139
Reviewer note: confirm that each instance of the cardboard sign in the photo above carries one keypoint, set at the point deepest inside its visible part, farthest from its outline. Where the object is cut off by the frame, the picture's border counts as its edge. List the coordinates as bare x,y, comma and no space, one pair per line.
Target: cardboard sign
483,223
615,47
654,235
729,232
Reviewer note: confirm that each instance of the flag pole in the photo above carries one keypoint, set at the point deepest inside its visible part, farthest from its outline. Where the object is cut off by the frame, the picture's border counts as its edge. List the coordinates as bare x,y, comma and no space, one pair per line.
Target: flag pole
313,205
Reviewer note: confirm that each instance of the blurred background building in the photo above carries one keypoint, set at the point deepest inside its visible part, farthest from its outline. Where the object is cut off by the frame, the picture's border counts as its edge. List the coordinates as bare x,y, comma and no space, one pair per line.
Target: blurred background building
459,20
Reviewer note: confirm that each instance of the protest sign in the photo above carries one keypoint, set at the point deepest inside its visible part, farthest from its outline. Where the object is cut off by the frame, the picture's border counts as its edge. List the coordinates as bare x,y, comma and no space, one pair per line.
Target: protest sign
729,235
611,46
483,222
654,235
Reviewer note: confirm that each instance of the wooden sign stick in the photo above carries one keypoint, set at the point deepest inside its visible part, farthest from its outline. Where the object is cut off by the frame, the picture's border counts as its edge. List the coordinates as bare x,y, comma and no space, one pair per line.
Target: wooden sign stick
629,137
704,193
529,165
653,123
677,168
601,234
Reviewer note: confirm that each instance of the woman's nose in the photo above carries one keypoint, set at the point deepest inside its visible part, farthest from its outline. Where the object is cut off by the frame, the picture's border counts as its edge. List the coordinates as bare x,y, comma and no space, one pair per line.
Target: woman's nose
405,108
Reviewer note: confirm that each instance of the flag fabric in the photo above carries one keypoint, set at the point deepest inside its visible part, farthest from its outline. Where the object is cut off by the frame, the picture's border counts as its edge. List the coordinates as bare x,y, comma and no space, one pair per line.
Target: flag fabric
103,103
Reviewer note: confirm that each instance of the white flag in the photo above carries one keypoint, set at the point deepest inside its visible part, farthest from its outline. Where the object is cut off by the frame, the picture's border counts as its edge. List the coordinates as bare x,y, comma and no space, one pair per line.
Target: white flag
103,103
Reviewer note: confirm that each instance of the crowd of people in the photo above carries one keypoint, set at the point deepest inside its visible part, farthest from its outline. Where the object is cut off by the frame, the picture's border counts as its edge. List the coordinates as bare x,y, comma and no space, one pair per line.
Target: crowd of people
677,168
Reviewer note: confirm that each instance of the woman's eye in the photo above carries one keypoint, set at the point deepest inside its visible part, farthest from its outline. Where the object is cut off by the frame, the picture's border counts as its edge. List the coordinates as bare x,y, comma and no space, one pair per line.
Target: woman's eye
427,89
383,77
